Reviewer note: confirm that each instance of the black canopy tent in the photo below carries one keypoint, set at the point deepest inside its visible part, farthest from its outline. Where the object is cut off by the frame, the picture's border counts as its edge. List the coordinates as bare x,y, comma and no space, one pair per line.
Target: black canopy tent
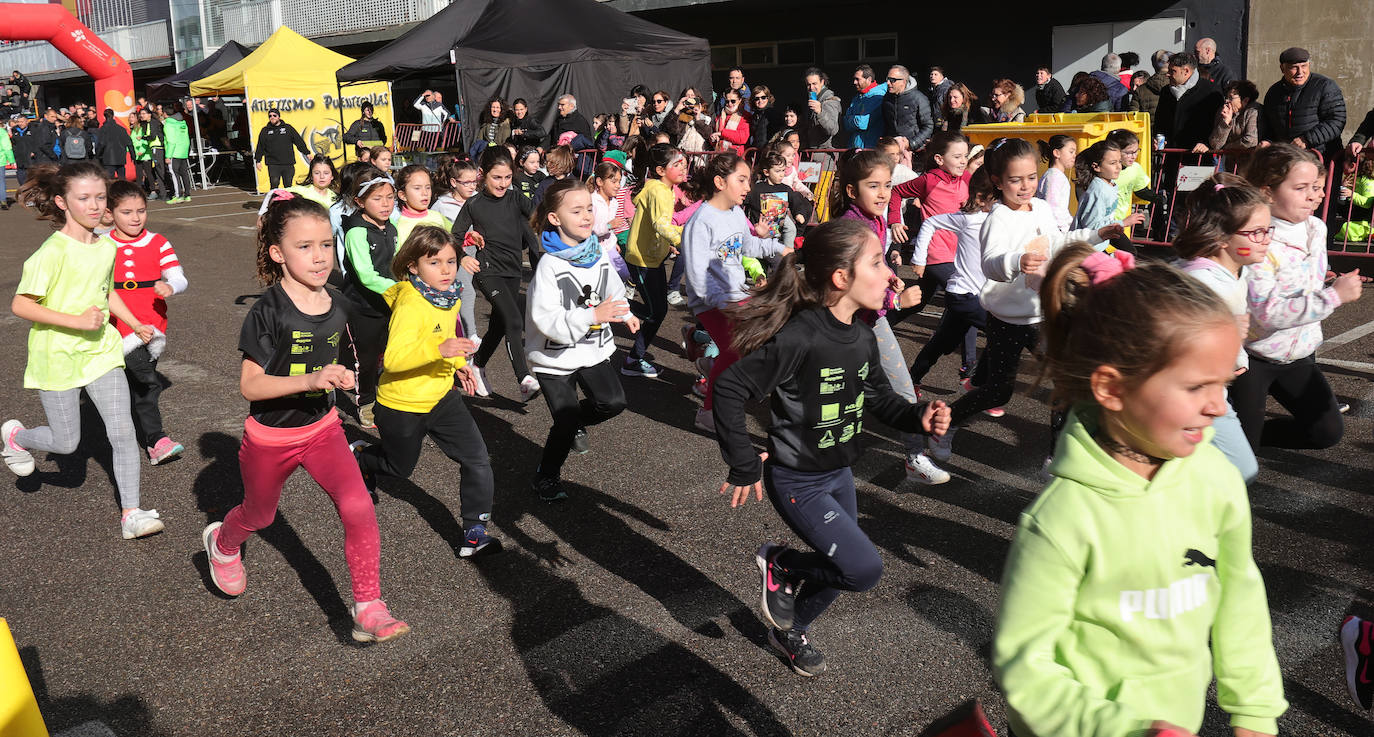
539,50
178,85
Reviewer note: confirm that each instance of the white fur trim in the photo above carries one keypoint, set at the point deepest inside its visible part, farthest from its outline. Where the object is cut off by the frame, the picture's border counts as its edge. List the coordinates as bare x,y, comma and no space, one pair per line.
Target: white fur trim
155,346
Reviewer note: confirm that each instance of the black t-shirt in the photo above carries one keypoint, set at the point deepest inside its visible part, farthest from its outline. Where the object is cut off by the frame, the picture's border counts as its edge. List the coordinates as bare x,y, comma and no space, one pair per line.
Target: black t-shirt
287,342
821,374
505,225
527,183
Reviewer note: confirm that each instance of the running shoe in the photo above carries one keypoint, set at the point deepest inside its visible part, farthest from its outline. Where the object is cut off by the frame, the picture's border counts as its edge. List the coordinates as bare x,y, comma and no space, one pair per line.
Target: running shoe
1344,407
164,450
229,576
477,542
699,387
140,523
548,488
705,421
529,388
778,598
1357,641
966,384
676,299
941,448
995,412
638,367
479,377
369,479
20,461
802,656
365,417
581,444
921,469
375,624
704,365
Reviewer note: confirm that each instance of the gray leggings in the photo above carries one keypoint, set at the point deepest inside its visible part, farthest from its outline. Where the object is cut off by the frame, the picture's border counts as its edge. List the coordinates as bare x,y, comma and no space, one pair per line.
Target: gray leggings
467,308
110,395
894,365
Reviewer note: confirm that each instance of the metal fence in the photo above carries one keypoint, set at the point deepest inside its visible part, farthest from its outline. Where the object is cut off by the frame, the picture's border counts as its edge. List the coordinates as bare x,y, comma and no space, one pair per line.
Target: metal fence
135,43
252,23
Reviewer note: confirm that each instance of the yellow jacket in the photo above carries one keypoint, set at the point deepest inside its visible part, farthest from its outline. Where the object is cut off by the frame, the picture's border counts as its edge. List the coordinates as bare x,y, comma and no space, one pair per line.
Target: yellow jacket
652,232
414,376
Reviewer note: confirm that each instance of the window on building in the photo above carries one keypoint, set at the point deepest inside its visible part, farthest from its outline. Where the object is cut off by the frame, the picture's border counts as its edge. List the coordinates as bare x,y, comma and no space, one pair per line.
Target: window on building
878,47
797,52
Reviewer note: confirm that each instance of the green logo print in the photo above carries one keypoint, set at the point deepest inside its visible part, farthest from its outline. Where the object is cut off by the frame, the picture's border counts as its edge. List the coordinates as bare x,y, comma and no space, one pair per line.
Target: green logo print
827,440
863,372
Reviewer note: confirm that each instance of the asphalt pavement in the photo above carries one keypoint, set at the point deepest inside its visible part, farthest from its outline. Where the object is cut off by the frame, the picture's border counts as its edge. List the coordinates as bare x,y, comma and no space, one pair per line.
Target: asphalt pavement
627,610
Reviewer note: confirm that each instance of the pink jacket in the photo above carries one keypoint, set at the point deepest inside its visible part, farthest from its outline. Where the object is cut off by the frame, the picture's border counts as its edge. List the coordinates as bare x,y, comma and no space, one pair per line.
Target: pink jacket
940,194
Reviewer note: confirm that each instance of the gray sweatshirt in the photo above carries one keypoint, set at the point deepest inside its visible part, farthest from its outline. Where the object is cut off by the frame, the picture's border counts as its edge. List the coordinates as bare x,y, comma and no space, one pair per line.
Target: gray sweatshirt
713,243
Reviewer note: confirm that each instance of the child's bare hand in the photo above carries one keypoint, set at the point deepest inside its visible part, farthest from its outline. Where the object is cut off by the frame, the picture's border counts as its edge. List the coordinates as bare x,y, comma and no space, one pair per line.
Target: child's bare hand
456,347
618,223
1031,263
466,381
611,311
911,296
92,319
632,323
935,420
1348,286
740,494
162,289
762,229
899,233
1135,218
1109,232
145,333
470,265
333,376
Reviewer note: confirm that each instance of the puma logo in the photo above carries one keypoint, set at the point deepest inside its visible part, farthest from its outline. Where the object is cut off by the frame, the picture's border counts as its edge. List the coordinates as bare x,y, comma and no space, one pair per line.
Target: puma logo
1196,558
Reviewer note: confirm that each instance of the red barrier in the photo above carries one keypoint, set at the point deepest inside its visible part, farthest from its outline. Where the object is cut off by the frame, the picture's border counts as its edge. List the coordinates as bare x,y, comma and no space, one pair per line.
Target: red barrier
1341,242
413,138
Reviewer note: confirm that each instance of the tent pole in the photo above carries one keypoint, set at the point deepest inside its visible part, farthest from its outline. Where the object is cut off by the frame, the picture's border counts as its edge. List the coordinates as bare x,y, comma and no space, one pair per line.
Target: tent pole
338,86
200,149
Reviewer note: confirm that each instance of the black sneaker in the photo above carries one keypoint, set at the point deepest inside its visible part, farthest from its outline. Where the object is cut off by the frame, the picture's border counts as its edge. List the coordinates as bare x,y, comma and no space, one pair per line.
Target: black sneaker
1357,642
778,598
548,488
369,479
581,443
805,659
477,542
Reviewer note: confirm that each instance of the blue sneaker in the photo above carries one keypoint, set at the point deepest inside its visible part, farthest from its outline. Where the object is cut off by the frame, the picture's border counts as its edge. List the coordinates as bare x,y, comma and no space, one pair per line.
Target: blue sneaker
477,542
638,367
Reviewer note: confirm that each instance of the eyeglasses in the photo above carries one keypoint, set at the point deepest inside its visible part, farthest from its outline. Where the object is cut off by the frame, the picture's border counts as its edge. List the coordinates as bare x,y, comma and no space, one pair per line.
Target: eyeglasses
1258,235
659,100
759,98
729,101
895,80
467,182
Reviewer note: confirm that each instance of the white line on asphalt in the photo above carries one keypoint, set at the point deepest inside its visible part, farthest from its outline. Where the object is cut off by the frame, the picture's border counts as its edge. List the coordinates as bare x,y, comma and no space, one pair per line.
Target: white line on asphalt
1346,337
1352,365
245,213
222,203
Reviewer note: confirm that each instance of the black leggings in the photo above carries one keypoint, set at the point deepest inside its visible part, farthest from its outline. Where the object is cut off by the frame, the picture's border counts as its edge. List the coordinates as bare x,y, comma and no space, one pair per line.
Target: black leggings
934,279
652,285
144,389
280,177
507,321
995,379
450,426
605,399
963,312
368,338
1301,388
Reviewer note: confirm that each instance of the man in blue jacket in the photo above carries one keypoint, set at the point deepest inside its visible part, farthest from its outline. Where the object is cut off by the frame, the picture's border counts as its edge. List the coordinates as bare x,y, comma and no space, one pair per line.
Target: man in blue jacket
863,121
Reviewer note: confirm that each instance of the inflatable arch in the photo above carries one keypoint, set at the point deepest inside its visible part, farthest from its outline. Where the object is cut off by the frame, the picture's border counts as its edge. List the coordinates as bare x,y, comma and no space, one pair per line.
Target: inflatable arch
114,78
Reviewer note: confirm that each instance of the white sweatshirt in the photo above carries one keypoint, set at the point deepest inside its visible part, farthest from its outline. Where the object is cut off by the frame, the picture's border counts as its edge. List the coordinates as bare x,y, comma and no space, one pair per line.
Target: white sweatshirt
1009,295
1232,290
968,255
560,336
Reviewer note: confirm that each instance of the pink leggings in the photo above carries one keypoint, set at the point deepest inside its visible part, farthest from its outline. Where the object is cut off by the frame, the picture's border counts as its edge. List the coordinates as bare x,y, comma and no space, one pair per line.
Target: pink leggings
267,457
718,326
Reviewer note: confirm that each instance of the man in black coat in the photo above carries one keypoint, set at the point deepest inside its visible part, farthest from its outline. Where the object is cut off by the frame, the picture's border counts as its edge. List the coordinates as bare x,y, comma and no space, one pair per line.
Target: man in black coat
45,138
1212,68
570,120
113,146
1303,108
1049,94
275,141
1188,106
906,110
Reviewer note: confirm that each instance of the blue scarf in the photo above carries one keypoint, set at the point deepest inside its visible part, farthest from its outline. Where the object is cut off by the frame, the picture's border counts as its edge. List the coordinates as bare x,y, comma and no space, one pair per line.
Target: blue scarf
444,300
584,255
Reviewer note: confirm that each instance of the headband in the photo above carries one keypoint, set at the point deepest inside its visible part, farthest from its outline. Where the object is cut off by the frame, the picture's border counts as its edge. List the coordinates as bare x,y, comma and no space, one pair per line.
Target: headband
1103,267
281,195
369,184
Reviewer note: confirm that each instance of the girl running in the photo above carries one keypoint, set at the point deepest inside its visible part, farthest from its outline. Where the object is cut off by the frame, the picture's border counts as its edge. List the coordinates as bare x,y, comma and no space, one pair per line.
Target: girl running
456,182
801,345
297,326
415,397
1288,300
1096,171
653,237
1060,152
499,218
607,221
64,290
574,297
1018,238
1130,582
414,190
1228,229
714,242
369,247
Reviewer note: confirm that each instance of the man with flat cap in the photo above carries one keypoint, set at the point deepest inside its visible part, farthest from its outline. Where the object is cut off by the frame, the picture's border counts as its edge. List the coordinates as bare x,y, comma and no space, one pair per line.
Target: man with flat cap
1303,108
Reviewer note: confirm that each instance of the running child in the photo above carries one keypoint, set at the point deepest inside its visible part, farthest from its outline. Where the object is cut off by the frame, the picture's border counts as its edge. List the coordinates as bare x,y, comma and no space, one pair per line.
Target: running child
1228,229
1288,300
1018,238
1060,152
64,290
456,182
416,397
414,192
1131,582
289,375
714,243
369,247
499,218
1133,183
607,220
1096,170
653,237
148,273
801,346
574,297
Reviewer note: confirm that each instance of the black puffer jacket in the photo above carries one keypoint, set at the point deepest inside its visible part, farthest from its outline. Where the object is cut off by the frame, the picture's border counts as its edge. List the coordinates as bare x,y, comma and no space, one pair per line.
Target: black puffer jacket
1187,121
908,114
1315,112
1049,97
113,145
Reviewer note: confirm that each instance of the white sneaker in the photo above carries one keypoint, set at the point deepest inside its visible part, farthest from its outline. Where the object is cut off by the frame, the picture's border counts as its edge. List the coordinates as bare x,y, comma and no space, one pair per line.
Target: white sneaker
529,387
705,421
140,523
941,448
20,461
1045,475
479,376
676,299
921,469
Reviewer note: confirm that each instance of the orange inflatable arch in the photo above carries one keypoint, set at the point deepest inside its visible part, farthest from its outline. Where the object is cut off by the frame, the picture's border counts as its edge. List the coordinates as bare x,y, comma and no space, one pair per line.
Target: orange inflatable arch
113,77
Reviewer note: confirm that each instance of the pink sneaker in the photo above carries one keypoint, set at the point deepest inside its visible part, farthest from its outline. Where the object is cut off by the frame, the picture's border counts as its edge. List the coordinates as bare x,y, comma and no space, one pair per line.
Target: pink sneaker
996,412
228,577
164,450
376,624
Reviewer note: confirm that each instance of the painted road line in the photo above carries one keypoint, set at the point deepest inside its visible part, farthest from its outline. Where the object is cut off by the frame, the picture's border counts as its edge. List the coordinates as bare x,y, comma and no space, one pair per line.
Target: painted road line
1346,337
240,214
1351,365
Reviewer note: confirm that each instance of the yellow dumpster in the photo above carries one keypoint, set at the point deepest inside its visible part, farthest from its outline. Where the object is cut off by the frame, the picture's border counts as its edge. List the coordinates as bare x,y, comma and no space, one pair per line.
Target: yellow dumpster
19,715
1085,128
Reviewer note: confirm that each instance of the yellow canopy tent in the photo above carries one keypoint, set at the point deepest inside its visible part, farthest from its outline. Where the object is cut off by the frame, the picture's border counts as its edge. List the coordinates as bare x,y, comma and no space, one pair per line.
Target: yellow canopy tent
296,75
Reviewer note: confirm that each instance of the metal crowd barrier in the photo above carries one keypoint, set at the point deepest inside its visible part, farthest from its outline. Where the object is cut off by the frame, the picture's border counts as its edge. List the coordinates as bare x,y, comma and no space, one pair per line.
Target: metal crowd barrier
414,138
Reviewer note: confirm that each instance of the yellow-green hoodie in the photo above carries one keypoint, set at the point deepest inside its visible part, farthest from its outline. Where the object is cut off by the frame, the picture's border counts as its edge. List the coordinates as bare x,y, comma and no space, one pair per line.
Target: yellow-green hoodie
414,376
652,233
1114,587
